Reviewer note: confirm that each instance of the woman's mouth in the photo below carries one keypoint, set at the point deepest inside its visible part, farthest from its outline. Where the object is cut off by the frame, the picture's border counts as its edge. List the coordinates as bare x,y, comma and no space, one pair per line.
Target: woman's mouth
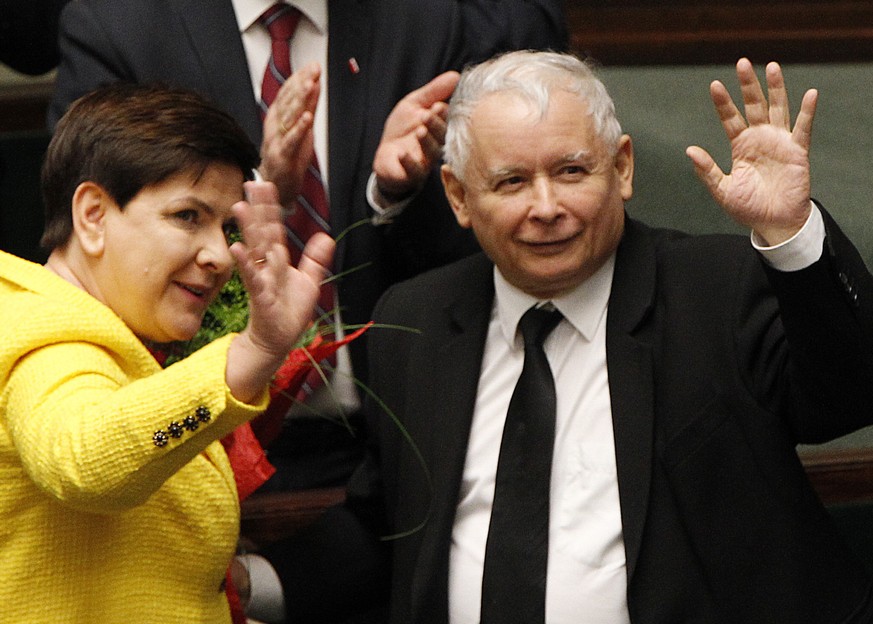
196,290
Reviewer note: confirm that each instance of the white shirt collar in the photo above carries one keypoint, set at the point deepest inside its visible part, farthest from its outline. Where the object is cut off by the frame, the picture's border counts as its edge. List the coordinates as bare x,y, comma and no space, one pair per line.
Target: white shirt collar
248,12
584,307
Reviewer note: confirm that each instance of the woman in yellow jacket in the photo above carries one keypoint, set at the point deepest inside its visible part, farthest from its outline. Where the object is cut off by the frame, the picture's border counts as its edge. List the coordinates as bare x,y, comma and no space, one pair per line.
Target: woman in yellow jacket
117,500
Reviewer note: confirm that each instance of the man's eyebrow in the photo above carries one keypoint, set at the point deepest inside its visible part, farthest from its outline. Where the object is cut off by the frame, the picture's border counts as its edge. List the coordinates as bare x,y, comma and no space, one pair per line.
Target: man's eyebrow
502,172
582,154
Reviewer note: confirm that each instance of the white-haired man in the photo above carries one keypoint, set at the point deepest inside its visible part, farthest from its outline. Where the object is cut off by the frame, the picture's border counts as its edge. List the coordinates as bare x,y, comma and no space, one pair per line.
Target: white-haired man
684,370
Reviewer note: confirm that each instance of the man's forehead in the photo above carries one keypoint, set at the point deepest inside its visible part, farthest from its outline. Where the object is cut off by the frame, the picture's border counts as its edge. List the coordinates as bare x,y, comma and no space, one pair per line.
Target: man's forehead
524,103
508,116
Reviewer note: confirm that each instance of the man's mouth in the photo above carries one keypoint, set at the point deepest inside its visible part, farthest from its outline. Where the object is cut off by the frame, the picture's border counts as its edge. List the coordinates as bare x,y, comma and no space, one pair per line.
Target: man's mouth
549,243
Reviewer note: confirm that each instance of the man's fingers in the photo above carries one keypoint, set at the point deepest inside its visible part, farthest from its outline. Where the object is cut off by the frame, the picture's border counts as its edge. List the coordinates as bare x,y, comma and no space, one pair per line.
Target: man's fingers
414,168
429,144
436,123
706,169
294,138
753,95
437,90
802,132
780,113
731,119
299,94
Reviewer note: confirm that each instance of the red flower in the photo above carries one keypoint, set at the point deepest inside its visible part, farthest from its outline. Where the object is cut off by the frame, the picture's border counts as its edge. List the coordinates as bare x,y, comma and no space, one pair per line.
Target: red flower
300,361
290,377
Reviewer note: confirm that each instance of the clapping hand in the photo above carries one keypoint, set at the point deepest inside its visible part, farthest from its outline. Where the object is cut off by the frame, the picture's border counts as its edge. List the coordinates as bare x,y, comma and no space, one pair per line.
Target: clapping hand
768,187
288,143
413,137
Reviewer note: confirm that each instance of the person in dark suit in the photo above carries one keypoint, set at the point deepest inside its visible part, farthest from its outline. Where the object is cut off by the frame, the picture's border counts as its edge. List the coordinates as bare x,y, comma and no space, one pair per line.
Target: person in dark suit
686,370
28,35
28,44
372,55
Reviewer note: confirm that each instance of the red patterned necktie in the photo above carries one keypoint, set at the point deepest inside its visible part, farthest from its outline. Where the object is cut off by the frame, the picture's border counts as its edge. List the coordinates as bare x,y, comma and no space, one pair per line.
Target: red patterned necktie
281,21
311,213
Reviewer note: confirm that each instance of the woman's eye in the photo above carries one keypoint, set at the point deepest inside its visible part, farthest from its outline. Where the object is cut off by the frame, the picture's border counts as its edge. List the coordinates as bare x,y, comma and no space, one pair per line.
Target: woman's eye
188,216
231,232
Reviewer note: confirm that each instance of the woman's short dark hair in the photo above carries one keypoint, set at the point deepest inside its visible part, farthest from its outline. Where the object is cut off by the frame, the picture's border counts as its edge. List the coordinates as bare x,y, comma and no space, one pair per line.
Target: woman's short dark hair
125,137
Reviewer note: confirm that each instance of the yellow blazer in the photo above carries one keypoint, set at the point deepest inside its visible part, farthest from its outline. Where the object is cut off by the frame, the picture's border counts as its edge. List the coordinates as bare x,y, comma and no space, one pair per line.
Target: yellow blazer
117,501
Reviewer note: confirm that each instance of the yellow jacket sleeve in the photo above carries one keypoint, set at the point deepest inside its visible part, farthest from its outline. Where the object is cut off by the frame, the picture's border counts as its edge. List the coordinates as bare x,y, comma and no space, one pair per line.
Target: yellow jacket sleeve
89,435
92,417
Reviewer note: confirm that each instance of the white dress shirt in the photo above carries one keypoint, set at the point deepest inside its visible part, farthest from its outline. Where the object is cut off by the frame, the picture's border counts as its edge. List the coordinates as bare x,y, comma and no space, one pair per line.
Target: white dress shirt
586,564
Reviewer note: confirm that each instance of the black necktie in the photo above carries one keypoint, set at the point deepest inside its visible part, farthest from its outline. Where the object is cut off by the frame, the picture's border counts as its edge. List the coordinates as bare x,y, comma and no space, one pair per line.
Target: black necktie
516,553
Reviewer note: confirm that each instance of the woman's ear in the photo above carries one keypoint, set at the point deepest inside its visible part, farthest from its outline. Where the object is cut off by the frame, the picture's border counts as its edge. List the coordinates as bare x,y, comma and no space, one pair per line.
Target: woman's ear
91,203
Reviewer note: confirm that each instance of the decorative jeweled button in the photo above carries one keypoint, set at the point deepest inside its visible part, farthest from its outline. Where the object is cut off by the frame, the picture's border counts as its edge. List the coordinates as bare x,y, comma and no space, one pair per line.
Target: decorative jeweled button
160,438
203,414
175,429
190,423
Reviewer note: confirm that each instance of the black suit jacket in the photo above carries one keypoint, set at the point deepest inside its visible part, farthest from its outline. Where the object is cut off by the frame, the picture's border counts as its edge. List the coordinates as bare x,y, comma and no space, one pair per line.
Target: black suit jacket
29,33
399,45
718,367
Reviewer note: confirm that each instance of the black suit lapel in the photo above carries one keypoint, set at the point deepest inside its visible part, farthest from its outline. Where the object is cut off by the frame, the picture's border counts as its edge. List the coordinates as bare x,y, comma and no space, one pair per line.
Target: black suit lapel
631,385
458,342
350,71
214,36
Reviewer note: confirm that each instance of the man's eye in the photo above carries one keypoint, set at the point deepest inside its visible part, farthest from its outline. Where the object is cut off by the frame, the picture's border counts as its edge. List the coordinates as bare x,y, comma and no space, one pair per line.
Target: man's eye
510,183
573,171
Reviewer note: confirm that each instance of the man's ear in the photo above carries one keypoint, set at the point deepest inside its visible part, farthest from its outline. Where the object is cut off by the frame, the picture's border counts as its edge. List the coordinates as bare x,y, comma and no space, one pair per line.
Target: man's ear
456,195
624,166
91,204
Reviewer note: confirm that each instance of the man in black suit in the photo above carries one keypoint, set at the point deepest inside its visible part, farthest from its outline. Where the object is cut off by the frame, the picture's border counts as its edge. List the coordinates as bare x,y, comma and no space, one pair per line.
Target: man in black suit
374,53
686,370
28,35
28,44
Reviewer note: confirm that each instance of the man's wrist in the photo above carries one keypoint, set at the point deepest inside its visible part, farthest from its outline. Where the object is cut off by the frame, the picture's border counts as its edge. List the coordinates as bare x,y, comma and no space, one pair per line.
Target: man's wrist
801,250
384,209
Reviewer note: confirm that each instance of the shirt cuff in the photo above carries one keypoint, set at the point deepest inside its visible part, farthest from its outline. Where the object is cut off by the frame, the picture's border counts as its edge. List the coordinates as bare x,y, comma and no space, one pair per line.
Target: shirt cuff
798,252
383,209
267,602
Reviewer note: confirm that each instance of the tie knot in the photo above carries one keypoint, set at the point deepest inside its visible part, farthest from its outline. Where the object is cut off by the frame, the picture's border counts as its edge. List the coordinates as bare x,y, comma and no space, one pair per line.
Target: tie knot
537,323
280,20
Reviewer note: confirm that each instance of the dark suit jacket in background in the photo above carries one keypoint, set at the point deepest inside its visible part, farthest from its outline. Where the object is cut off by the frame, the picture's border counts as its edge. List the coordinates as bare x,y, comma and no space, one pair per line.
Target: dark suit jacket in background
718,367
28,44
399,46
29,33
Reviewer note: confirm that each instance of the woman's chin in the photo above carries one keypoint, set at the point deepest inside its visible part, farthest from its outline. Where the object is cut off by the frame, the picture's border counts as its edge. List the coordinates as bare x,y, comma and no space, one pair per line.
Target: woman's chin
176,334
